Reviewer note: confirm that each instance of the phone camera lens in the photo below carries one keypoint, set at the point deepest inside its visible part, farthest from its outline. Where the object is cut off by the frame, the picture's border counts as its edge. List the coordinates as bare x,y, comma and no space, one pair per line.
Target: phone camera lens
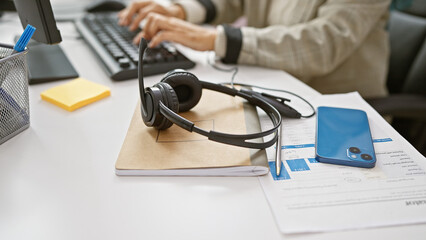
355,150
366,157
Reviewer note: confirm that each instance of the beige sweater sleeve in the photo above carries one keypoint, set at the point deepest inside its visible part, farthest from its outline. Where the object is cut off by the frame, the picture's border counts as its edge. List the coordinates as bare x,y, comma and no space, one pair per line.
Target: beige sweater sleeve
221,11
227,11
317,47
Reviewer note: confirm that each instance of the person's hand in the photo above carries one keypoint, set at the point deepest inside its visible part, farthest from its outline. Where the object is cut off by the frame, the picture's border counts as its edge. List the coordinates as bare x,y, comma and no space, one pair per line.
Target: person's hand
160,28
137,11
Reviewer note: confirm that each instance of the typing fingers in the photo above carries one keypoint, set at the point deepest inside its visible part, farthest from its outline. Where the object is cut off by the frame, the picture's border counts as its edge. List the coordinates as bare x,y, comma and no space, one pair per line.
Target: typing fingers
155,23
143,13
170,36
126,15
159,28
137,38
138,18
197,41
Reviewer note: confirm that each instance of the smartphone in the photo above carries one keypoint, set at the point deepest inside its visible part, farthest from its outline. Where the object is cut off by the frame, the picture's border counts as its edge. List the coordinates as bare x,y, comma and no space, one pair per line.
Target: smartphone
343,137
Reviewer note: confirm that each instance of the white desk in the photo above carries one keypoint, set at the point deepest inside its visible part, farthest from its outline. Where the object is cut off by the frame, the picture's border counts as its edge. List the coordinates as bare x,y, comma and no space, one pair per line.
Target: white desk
57,178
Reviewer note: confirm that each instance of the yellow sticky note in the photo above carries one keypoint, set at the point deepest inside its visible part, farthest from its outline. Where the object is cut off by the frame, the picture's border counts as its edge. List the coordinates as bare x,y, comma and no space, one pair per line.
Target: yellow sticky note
75,94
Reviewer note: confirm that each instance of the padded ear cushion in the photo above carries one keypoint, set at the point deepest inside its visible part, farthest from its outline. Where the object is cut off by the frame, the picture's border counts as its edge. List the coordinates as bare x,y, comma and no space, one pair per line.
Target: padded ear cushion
187,87
170,99
173,72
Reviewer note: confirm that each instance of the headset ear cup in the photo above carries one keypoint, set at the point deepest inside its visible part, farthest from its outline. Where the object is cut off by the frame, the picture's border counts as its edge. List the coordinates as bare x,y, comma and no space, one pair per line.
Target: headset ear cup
147,109
170,99
187,88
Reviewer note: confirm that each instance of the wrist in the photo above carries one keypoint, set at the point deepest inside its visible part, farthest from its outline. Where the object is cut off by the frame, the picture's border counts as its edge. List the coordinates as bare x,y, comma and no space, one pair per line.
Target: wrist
212,39
177,11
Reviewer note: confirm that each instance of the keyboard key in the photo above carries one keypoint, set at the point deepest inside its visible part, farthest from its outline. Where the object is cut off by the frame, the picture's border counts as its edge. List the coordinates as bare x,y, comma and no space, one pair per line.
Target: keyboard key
124,62
158,57
117,55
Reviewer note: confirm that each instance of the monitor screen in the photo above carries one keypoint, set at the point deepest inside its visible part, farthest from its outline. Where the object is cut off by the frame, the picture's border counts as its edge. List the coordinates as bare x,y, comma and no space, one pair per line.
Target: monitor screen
39,14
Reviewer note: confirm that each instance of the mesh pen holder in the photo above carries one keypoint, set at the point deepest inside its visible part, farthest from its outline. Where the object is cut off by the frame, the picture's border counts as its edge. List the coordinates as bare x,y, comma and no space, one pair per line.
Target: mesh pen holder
14,103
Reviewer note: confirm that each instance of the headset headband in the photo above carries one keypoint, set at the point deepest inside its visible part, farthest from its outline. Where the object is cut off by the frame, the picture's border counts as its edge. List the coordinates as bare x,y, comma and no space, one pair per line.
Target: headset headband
142,47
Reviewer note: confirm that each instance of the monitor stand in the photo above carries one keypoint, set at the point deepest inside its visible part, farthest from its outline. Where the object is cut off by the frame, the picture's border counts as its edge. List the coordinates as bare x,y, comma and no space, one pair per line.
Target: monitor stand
48,63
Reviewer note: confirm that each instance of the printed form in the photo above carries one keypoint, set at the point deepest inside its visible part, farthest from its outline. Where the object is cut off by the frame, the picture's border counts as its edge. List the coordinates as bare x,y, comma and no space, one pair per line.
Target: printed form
309,196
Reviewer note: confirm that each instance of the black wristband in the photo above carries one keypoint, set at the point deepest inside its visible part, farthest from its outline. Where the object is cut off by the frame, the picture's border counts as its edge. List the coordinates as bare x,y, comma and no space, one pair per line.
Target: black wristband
210,10
234,42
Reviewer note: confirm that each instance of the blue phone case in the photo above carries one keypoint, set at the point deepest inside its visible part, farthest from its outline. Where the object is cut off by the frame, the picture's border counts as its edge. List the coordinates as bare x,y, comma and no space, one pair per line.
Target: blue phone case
343,137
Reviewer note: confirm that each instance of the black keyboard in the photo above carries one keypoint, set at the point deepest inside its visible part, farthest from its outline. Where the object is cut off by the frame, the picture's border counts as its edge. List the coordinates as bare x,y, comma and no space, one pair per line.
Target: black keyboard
113,45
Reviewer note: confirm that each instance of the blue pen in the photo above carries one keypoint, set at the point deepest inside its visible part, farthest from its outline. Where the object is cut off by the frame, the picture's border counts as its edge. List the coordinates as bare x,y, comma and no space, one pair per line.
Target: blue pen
24,39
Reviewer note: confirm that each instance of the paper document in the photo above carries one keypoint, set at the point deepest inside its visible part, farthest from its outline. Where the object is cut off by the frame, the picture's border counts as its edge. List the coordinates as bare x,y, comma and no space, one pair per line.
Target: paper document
310,196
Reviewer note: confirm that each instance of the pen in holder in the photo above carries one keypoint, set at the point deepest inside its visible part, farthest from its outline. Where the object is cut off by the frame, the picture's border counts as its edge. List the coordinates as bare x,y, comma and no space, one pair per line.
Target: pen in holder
14,103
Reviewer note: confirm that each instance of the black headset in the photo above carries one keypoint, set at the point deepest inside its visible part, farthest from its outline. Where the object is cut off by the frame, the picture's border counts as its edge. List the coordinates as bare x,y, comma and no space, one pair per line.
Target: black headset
179,91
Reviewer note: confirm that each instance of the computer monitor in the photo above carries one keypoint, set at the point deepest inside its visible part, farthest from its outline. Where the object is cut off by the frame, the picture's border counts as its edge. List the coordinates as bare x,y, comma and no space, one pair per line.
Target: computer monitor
39,14
46,62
